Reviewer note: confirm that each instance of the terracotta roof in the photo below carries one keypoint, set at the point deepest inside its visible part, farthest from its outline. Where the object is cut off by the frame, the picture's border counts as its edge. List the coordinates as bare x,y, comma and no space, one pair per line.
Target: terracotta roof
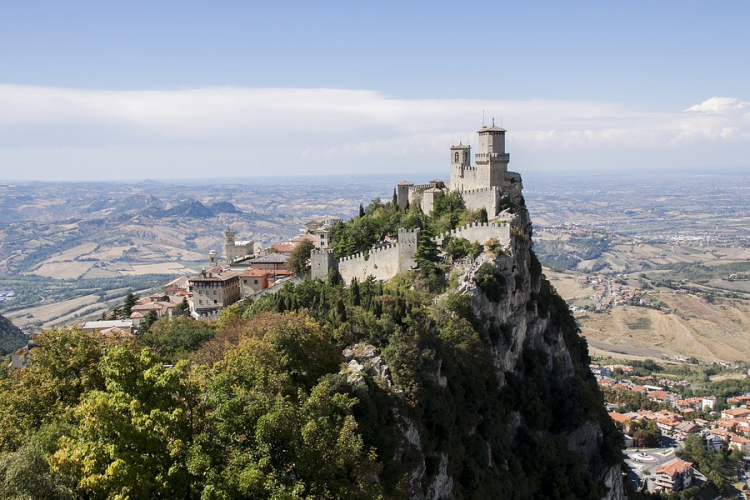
676,466
255,272
619,417
737,412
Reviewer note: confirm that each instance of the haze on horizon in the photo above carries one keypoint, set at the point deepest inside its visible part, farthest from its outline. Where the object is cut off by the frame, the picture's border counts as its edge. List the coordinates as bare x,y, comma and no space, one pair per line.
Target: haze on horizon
93,91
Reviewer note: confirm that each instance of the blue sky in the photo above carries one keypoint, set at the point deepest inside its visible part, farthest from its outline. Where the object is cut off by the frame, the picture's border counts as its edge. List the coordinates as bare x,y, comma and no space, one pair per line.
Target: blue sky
103,90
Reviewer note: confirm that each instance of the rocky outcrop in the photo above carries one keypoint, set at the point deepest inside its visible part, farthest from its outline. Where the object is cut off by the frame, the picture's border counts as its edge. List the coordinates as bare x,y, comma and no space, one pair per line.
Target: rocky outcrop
541,364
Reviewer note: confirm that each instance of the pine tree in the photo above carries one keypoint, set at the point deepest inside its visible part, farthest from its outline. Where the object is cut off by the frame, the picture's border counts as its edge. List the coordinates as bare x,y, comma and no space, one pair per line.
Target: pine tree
361,211
427,250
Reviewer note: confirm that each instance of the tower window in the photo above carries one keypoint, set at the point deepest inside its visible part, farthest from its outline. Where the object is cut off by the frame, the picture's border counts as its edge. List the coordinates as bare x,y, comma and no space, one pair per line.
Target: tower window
455,157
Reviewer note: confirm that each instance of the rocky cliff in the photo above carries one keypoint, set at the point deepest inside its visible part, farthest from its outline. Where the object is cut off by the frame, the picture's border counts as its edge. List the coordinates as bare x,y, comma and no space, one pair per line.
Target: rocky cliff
511,413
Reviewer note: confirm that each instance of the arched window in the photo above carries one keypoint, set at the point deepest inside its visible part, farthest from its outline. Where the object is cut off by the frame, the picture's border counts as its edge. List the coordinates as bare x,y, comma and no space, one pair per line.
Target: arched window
455,157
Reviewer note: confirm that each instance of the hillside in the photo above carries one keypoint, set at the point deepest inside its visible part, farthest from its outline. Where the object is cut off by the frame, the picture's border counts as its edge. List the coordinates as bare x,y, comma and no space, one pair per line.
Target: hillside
464,378
11,337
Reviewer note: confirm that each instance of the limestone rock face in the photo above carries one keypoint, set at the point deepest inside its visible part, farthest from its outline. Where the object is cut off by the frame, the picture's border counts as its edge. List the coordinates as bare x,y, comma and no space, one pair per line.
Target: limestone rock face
533,324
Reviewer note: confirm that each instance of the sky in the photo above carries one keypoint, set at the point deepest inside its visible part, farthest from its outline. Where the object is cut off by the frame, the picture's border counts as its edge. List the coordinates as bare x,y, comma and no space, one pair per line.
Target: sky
99,90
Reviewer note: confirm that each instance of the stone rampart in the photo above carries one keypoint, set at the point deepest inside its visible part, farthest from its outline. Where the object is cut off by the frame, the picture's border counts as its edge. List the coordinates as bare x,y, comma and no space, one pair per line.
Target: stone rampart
487,198
480,232
382,263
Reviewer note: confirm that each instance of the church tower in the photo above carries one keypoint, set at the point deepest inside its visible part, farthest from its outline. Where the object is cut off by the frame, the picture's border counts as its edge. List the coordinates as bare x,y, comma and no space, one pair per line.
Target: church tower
492,160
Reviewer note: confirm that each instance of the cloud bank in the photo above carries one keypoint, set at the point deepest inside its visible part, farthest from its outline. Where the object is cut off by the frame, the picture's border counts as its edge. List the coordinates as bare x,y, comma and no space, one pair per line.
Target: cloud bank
59,134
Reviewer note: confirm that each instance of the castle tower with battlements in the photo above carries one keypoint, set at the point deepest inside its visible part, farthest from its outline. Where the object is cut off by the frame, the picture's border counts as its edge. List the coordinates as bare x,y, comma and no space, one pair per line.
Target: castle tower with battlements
485,184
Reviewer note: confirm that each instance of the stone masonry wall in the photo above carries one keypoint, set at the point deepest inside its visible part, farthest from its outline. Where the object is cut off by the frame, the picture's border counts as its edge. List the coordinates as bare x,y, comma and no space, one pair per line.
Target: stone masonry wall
480,232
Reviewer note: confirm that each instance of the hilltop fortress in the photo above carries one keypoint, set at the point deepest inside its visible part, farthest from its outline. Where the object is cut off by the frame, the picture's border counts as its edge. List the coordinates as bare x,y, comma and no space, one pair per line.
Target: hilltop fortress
482,185
487,184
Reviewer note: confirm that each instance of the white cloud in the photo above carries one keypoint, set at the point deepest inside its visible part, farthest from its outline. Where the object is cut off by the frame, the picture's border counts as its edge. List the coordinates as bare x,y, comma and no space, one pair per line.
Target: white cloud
276,131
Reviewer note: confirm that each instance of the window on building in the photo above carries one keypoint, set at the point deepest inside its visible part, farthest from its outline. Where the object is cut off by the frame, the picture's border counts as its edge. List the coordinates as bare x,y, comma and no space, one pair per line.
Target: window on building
200,302
256,282
216,301
455,157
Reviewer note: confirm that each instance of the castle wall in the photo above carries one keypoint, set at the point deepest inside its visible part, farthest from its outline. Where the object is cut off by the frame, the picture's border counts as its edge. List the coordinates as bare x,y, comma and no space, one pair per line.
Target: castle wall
321,263
382,263
463,178
480,232
487,198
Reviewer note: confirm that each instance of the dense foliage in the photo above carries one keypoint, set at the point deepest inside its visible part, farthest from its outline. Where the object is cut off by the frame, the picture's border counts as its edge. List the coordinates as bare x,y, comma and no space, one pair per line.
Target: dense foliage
256,405
11,337
378,220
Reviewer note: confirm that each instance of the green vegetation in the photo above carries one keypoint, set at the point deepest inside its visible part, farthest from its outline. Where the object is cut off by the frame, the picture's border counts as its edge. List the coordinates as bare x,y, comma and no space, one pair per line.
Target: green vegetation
561,255
720,467
35,290
699,273
254,406
379,219
300,256
11,337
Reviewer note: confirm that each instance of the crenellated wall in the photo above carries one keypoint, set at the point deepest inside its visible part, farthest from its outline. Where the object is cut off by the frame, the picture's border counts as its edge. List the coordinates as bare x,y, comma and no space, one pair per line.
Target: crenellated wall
383,263
386,262
480,232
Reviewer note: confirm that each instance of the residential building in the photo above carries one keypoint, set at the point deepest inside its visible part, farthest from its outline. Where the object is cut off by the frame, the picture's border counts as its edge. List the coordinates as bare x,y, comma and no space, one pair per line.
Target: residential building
676,475
212,292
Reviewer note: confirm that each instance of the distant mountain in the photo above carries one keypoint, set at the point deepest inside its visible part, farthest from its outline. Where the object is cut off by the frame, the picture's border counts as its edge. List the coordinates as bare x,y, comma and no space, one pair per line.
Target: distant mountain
190,208
139,202
224,207
11,337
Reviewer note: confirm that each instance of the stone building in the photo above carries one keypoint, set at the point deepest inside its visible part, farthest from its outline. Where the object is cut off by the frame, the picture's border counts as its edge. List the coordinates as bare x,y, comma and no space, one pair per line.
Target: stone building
213,291
236,250
486,184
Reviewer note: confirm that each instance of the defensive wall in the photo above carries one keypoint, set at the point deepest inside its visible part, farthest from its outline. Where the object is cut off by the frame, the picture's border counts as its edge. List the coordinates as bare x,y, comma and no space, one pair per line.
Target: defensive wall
386,262
480,232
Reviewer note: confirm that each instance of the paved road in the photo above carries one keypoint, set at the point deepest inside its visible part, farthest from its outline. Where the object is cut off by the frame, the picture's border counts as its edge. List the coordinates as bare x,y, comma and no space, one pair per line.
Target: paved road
641,460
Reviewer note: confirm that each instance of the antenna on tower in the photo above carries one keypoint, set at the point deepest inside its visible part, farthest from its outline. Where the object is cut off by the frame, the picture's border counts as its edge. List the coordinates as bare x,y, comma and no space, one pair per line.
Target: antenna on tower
483,118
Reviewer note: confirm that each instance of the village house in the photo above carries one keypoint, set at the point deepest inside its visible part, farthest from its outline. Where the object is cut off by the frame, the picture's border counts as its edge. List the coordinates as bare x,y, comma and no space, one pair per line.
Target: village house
733,413
676,475
213,291
252,281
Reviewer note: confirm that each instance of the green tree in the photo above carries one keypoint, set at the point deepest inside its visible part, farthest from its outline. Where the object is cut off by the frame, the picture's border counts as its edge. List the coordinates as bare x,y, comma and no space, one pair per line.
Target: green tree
137,438
300,256
130,301
427,251
174,338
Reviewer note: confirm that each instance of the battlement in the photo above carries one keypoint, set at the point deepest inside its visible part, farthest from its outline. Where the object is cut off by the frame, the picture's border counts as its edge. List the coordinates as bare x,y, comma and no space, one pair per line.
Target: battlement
480,190
422,187
479,232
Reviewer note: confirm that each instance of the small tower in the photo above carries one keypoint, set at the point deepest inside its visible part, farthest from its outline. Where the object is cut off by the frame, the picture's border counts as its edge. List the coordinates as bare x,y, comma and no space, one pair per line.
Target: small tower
492,160
213,260
229,244
460,162
403,190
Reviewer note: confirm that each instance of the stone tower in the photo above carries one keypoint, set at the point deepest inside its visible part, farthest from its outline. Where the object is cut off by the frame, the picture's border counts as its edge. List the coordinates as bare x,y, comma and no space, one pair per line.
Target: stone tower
229,244
213,261
460,163
491,160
